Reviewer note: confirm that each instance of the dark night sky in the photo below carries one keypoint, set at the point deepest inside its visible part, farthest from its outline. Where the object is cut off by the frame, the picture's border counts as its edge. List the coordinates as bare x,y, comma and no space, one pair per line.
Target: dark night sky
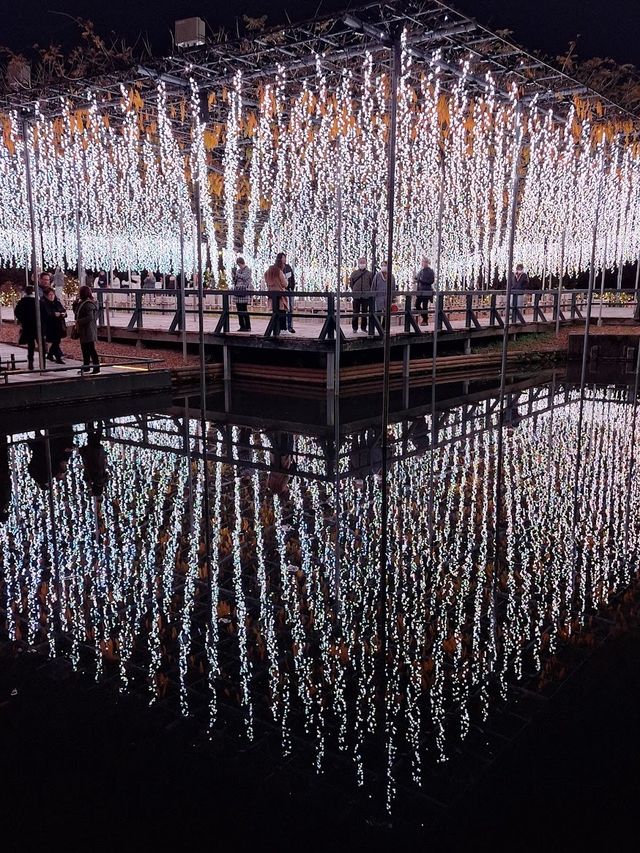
606,27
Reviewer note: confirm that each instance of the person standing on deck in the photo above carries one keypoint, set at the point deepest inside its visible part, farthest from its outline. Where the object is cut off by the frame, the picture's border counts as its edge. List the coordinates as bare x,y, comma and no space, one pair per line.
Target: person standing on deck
277,283
519,282
54,327
86,313
25,313
379,289
44,283
425,279
242,285
360,284
281,261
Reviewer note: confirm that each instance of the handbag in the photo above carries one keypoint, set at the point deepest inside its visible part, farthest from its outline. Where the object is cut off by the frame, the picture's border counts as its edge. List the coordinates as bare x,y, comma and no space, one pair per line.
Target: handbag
74,334
63,327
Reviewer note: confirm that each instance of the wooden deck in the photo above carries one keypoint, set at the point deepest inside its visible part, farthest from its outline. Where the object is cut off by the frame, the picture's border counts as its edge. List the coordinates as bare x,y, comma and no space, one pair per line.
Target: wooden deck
64,384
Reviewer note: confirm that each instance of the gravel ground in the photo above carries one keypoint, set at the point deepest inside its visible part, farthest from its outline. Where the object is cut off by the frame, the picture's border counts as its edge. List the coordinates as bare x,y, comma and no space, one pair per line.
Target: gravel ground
168,358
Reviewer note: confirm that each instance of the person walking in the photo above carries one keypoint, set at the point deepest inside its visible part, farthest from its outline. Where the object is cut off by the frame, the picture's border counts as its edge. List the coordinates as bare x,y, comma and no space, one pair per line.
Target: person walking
242,285
379,290
25,314
360,284
519,282
425,279
277,284
86,312
281,261
54,326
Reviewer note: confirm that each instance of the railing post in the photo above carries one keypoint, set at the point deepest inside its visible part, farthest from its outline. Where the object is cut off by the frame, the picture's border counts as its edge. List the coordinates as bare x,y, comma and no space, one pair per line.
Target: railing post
225,312
331,316
138,295
100,296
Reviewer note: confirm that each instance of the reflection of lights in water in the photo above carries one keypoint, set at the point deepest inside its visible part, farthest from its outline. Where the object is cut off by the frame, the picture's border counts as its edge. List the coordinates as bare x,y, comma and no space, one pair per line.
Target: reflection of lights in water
127,580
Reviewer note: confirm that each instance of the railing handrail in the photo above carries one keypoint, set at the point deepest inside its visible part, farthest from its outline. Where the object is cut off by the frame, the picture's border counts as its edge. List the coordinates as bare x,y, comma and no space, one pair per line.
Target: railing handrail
191,291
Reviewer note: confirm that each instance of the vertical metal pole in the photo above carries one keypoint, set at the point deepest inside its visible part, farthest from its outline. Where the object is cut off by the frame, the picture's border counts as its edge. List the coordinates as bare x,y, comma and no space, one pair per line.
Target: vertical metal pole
336,387
183,314
585,356
434,351
34,244
336,384
110,285
203,374
203,399
604,262
636,386
505,338
81,271
560,279
396,58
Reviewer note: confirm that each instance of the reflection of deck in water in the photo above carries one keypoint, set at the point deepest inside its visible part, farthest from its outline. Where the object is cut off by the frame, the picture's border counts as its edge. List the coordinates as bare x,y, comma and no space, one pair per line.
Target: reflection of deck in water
292,649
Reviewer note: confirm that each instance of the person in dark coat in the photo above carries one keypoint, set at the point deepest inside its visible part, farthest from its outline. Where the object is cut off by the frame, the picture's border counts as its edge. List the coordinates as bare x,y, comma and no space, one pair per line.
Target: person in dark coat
282,462
424,285
519,282
50,463
54,327
360,284
25,313
379,288
365,454
86,314
94,460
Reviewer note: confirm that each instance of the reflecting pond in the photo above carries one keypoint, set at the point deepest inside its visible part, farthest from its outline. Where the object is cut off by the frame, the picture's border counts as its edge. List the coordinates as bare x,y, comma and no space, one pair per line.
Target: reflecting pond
375,601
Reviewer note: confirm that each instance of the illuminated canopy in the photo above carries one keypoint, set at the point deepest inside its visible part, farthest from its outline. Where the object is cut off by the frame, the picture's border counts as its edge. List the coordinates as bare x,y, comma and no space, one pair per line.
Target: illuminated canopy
268,137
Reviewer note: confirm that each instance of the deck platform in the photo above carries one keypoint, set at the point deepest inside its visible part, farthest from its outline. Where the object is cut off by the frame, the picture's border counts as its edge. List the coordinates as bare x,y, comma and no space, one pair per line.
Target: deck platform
64,385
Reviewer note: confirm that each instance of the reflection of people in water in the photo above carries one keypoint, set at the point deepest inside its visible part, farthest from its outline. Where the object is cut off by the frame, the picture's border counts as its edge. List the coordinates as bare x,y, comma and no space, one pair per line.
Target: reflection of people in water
283,464
60,446
5,479
94,460
419,433
244,450
511,417
365,456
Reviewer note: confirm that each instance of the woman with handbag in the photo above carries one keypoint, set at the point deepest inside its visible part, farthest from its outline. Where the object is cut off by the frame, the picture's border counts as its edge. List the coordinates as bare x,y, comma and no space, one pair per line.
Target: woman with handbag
55,327
86,314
